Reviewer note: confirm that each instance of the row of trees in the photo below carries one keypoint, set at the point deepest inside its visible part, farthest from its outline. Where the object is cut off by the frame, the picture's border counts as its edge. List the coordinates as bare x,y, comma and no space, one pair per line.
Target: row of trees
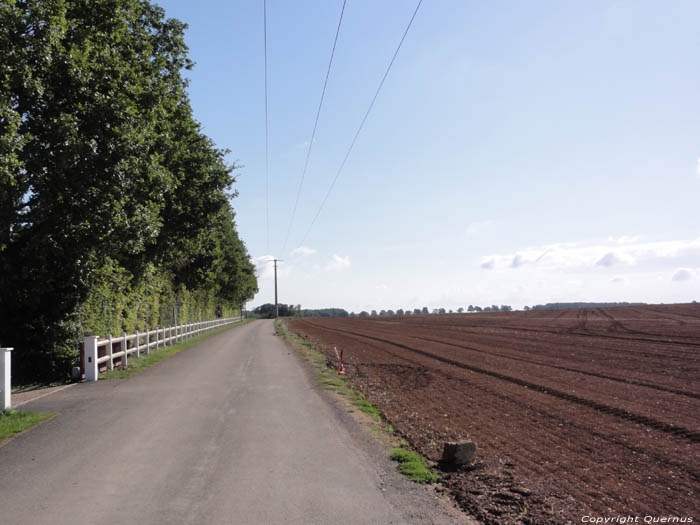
268,311
114,205
562,306
435,311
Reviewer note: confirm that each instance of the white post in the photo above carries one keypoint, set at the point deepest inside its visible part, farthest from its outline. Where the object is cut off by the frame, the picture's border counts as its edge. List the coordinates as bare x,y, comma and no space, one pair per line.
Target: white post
5,378
138,344
91,369
124,344
110,352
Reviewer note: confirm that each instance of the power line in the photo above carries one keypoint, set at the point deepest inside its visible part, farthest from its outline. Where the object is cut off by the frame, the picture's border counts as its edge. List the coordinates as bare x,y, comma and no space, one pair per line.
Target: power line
352,144
267,156
313,134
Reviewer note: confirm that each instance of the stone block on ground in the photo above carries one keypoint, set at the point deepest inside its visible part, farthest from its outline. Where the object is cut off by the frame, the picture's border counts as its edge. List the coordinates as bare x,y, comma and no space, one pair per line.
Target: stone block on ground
458,453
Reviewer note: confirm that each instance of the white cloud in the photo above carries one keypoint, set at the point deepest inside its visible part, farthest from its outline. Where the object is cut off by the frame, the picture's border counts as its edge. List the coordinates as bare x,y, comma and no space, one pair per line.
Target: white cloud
338,263
381,287
682,274
488,264
607,260
589,255
304,251
697,169
618,280
264,268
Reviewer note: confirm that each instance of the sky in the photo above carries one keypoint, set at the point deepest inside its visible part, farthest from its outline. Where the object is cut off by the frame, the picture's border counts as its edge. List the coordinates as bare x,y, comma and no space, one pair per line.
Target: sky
518,153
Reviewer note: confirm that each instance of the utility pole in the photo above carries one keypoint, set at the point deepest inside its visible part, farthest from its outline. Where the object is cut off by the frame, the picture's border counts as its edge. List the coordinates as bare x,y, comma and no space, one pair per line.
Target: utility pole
277,308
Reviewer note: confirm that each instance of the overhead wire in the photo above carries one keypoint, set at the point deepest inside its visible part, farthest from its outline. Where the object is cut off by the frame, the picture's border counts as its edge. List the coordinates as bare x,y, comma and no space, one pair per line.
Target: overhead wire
267,155
313,133
357,134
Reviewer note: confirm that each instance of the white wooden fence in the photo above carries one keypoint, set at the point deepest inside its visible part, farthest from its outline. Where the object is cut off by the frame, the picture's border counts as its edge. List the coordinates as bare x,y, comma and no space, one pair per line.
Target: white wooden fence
5,378
118,349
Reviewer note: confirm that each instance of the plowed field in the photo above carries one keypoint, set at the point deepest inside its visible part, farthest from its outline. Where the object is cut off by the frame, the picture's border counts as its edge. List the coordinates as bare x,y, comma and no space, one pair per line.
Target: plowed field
575,412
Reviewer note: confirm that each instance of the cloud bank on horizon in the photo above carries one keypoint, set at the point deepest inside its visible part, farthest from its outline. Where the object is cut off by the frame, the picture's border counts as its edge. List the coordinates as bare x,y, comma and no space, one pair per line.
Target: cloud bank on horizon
624,254
626,268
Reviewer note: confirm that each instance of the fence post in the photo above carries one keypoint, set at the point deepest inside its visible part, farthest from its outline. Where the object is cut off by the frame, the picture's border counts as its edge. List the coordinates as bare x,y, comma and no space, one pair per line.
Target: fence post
5,378
110,352
91,370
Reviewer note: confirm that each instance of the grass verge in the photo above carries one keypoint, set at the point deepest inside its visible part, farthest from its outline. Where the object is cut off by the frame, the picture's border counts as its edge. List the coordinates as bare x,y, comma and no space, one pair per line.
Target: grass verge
13,422
139,364
411,464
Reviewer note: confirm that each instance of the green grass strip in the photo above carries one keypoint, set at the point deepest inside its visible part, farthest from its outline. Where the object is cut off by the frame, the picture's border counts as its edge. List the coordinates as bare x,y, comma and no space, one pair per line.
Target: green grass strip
15,421
413,465
139,364
367,408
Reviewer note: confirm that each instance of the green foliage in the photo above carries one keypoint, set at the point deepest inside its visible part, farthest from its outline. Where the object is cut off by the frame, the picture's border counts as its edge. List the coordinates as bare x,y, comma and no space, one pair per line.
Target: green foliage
367,408
15,421
323,312
267,310
413,465
114,206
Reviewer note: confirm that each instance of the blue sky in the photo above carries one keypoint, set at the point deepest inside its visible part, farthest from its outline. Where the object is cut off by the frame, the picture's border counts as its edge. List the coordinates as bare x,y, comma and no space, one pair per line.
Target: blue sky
519,152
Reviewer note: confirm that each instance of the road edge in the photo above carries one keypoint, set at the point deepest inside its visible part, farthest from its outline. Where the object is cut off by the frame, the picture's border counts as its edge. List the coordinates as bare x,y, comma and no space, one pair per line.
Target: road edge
372,434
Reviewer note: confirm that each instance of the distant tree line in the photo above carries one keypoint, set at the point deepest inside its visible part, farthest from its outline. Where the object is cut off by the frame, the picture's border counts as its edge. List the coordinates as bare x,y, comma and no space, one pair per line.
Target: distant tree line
323,312
434,311
267,311
563,306
114,205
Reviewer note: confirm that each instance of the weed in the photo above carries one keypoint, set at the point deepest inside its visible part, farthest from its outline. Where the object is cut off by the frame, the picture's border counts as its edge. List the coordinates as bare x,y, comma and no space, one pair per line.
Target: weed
333,382
413,465
368,408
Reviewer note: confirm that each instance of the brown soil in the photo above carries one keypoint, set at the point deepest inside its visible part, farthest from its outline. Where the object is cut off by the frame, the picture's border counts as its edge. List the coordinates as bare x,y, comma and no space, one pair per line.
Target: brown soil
575,412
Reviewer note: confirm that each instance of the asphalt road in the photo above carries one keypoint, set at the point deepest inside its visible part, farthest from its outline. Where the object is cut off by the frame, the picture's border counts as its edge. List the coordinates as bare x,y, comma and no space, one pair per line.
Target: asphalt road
231,430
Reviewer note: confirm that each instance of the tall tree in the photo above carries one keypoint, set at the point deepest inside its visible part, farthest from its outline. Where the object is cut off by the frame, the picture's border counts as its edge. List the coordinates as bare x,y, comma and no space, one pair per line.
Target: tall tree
100,159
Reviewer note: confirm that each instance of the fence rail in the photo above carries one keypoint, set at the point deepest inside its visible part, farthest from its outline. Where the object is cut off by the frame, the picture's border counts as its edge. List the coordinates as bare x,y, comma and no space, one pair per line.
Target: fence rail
112,351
